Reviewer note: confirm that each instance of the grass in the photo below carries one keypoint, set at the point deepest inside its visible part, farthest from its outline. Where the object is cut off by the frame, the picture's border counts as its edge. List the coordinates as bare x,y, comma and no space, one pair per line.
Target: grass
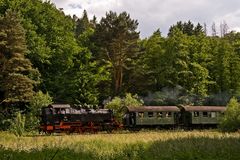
172,145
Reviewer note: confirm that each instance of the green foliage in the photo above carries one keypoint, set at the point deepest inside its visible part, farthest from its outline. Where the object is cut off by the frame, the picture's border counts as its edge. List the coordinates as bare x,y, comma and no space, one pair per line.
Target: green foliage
150,64
231,119
117,37
187,28
38,101
119,104
132,100
82,24
32,122
18,124
19,75
83,61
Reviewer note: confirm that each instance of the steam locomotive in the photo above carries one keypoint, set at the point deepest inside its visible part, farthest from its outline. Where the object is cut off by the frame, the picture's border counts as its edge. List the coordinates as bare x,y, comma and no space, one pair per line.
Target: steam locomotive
63,118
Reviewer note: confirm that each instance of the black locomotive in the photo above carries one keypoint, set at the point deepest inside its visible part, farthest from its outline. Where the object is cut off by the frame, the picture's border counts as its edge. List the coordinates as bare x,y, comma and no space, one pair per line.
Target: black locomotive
63,118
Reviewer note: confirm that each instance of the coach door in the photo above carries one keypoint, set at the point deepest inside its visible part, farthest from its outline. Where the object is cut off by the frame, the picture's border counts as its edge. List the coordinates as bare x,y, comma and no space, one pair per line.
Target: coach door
132,118
178,118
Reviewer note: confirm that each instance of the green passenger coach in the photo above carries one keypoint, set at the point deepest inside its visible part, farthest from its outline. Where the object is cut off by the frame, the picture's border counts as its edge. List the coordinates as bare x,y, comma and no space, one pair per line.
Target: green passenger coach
202,115
153,116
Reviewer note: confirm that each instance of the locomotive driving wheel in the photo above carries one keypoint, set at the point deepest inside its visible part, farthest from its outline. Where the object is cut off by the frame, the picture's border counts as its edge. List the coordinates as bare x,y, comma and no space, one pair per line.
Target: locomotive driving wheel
79,129
92,128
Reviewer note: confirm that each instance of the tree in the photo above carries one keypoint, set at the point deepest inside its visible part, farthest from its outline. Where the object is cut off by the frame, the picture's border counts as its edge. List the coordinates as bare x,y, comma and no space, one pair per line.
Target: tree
223,29
119,104
83,79
20,79
56,51
150,63
234,62
231,119
219,68
199,61
39,101
176,60
187,28
82,24
214,31
205,28
19,75
117,36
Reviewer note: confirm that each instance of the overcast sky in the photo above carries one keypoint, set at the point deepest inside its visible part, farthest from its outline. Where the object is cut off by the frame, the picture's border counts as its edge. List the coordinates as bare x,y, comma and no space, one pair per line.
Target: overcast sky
154,14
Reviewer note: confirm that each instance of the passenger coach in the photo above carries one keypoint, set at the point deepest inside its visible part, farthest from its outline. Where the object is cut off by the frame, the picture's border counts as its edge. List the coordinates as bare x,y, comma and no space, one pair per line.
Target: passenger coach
202,116
152,116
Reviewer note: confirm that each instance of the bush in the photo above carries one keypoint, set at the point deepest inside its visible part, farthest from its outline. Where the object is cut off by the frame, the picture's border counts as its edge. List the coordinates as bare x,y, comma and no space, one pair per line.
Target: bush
119,104
231,119
18,124
32,122
38,101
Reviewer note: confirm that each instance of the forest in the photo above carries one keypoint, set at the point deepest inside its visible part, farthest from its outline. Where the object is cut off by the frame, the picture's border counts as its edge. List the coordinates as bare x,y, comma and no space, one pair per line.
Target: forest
47,56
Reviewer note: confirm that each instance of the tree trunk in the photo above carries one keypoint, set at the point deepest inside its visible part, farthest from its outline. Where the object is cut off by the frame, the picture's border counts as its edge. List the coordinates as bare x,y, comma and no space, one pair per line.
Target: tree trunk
118,76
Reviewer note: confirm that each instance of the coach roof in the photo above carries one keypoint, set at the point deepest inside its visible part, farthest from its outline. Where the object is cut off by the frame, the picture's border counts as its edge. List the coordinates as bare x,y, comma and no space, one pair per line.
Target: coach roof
59,105
153,108
204,108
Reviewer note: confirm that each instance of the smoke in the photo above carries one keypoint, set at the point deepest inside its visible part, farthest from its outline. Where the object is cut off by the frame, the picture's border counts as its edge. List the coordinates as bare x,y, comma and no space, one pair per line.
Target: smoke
219,99
167,96
179,96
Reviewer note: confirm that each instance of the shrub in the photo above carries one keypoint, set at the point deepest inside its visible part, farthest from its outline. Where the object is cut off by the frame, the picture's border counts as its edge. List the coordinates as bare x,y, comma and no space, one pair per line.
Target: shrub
119,104
32,122
231,119
37,102
18,124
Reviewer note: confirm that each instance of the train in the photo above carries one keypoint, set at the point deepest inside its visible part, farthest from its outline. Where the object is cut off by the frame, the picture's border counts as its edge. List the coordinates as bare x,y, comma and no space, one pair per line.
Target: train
64,118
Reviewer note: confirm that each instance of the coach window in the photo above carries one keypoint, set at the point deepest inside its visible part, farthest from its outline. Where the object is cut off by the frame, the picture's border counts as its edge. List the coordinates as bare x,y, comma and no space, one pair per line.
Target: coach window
140,114
168,114
160,114
150,114
213,114
196,114
205,114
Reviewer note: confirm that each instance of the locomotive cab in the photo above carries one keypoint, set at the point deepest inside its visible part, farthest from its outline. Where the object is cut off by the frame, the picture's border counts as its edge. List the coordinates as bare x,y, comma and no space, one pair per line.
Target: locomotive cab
52,116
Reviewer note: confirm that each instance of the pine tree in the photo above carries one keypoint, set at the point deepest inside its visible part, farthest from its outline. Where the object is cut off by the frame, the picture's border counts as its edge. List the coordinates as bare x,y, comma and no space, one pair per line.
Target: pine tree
117,36
82,24
18,75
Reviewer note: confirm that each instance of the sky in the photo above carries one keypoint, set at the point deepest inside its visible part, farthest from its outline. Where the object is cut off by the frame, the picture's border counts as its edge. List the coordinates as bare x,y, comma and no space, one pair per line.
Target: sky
160,14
